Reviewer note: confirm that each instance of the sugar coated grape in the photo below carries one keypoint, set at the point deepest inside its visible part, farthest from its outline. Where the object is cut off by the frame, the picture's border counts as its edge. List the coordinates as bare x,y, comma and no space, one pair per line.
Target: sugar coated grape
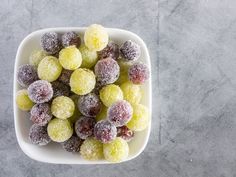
124,67
76,113
107,71
49,69
89,57
84,127
60,89
102,114
36,56
23,101
40,91
65,76
38,135
104,131
26,75
120,113
62,107
96,37
59,130
116,151
140,118
92,149
111,50
82,81
131,92
51,43
109,94
130,51
70,58
73,144
138,73
70,38
125,133
89,105
41,114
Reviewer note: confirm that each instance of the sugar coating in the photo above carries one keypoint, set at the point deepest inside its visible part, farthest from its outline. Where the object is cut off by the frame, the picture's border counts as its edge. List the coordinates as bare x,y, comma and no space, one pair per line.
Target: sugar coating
89,57
104,131
91,149
36,56
82,81
89,105
119,113
130,51
70,58
65,76
138,73
111,50
140,118
70,38
40,114
26,75
59,130
116,151
84,127
51,43
124,67
76,115
23,101
40,91
109,94
38,135
102,114
96,37
125,133
62,107
107,71
131,92
60,89
49,69
73,144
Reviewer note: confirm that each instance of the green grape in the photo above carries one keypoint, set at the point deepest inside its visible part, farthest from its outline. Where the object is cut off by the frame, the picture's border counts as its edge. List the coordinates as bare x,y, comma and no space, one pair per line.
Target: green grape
49,69
132,93
124,67
70,58
59,130
62,107
23,101
36,56
91,149
140,118
76,114
89,57
102,114
109,94
116,151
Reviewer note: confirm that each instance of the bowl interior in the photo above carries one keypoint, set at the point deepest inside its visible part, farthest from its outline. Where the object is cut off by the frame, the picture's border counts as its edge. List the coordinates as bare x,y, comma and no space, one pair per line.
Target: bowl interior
53,153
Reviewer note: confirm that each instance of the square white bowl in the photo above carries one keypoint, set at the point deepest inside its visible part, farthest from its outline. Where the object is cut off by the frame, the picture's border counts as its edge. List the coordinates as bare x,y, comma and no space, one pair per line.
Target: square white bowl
53,152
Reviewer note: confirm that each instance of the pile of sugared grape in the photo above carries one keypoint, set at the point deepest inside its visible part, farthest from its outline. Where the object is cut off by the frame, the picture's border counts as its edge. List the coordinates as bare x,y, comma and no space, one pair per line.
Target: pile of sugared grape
85,96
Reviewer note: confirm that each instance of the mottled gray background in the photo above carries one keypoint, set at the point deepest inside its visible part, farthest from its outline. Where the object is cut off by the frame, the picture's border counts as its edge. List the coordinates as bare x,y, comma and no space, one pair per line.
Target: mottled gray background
192,46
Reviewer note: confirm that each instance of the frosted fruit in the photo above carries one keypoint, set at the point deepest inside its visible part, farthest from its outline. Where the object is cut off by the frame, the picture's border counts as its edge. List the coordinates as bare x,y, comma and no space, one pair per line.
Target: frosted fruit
26,75
130,51
102,114
89,57
40,114
23,101
73,144
131,92
76,115
111,50
51,43
38,135
84,127
36,56
138,73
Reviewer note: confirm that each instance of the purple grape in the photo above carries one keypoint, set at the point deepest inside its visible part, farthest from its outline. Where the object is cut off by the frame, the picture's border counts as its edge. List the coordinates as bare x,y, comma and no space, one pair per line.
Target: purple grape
40,91
38,135
73,144
107,71
60,89
89,105
111,50
84,127
130,51
120,113
125,133
51,43
138,73
41,114
26,75
70,38
104,131
65,76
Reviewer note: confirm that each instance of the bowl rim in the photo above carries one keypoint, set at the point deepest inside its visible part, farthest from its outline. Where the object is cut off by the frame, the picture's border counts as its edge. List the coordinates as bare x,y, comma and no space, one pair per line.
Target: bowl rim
16,64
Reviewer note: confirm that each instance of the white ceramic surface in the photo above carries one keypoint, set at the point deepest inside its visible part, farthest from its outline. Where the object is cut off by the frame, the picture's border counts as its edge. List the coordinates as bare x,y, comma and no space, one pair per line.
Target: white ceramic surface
53,153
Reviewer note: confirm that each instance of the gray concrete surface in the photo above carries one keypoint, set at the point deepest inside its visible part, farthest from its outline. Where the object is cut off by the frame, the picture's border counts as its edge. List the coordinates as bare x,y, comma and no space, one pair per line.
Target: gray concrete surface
192,47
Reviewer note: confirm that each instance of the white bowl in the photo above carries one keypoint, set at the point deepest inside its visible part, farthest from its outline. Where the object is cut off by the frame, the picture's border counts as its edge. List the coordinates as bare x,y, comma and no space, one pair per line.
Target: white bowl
53,153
